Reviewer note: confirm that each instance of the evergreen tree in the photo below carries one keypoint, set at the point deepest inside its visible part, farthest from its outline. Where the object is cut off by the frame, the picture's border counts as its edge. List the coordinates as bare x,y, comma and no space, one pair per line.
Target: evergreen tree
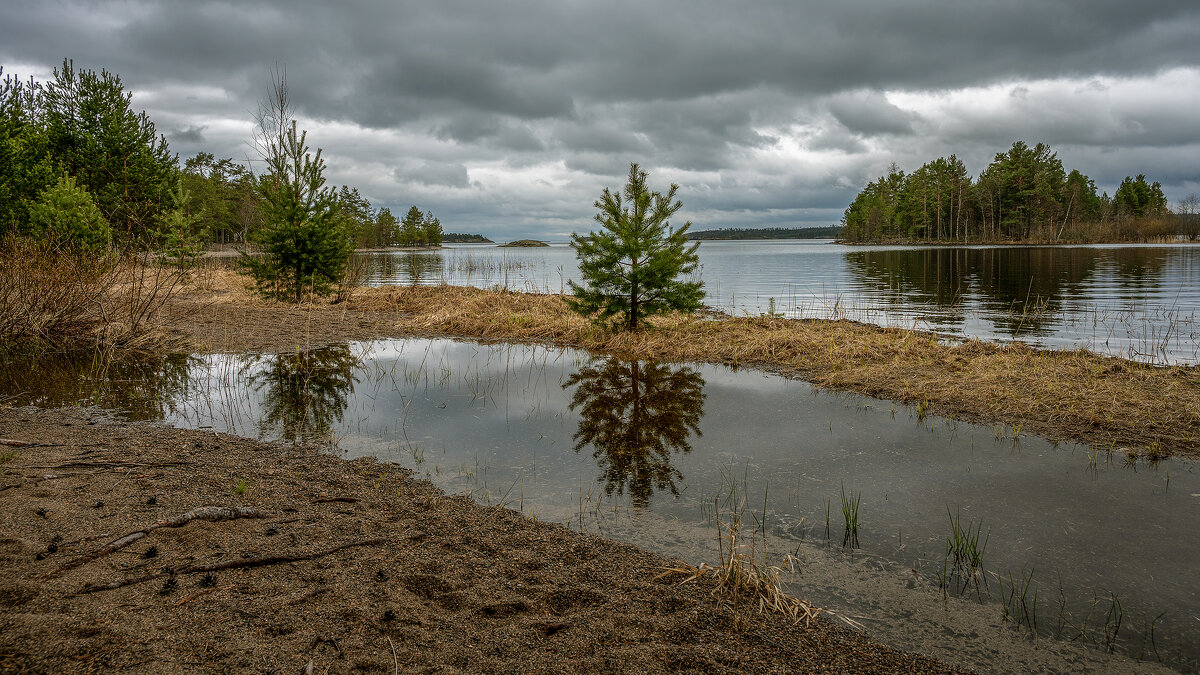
412,228
431,229
387,226
305,241
1135,197
116,154
633,266
223,193
66,212
360,218
181,233
26,169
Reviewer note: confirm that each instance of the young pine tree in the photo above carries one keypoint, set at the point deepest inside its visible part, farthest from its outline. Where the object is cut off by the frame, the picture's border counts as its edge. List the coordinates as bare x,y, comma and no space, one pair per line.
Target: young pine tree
305,240
66,213
181,233
637,265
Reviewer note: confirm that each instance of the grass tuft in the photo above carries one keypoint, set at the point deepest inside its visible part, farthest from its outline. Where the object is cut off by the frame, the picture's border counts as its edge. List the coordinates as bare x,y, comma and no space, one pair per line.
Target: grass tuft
850,504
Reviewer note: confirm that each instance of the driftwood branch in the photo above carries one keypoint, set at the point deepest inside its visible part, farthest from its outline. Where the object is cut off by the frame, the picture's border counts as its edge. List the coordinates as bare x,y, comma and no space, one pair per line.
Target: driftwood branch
210,513
227,565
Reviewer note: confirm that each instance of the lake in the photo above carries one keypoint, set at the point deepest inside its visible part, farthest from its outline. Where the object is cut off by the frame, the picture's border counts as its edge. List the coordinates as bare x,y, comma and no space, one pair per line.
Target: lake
1136,301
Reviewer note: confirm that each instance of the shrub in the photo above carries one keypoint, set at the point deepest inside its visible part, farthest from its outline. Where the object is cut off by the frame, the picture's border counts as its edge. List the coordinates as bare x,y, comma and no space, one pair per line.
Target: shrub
66,212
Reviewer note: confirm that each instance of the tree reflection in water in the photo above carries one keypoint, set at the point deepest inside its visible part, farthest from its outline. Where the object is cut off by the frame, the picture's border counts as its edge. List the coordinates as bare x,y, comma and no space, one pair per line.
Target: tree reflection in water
636,414
305,394
141,386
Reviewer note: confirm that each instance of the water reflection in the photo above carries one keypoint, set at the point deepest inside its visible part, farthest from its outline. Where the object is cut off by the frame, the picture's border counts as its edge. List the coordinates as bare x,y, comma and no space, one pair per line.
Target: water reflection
305,394
1021,289
409,268
139,386
635,414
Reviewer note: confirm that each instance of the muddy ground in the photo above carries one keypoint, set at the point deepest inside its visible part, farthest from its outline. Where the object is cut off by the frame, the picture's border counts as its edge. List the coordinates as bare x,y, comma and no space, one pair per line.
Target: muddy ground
347,566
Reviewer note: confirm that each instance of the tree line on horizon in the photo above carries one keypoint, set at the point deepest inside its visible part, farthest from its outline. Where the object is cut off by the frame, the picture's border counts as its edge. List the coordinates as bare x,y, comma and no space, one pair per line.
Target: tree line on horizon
738,233
1024,194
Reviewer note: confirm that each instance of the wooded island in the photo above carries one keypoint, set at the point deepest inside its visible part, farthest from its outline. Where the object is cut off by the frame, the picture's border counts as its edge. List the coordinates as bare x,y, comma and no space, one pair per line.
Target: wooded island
1024,195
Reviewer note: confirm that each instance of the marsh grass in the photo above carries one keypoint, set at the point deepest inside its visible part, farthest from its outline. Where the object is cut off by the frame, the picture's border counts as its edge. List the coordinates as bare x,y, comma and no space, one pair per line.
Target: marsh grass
1018,606
1100,624
965,552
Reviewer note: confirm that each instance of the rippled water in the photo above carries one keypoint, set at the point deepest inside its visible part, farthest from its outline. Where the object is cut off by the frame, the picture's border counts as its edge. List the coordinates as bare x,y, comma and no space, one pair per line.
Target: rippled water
1140,302
647,452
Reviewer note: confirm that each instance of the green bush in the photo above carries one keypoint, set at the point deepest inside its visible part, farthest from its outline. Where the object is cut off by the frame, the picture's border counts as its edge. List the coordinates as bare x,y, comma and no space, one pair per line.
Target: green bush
66,212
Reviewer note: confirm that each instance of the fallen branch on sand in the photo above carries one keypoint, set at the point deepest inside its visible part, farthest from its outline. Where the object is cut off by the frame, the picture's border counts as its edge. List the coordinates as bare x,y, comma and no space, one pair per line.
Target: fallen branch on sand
210,513
200,593
226,565
108,464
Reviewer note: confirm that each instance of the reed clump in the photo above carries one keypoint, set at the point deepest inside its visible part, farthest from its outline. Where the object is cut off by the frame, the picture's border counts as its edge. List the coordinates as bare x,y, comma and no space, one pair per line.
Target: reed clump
743,575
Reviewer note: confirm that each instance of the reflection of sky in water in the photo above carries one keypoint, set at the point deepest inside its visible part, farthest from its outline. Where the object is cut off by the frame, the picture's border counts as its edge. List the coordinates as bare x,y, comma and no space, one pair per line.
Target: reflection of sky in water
1135,301
497,421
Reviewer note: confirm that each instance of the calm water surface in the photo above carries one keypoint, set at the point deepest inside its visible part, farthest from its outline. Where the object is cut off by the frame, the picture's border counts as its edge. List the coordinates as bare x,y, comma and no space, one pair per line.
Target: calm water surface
647,452
1140,302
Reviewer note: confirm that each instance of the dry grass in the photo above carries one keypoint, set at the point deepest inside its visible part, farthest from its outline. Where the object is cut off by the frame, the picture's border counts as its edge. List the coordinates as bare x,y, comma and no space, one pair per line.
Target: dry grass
70,299
1059,394
741,577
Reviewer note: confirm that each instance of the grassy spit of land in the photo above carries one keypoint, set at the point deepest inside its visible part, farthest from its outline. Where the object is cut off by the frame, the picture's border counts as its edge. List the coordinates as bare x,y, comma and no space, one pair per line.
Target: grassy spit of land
1109,402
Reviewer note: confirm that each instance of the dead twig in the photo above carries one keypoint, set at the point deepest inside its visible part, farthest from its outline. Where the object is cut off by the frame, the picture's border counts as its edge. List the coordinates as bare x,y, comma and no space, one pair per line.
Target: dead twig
18,444
109,464
210,513
326,500
202,592
46,477
226,565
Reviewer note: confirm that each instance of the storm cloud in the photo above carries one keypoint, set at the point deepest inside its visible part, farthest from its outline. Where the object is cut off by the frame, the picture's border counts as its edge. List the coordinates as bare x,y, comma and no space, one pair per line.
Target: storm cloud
509,118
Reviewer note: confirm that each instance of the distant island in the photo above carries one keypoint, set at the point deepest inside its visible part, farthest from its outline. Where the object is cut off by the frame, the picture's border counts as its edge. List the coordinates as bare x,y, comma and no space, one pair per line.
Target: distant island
456,238
831,232
524,243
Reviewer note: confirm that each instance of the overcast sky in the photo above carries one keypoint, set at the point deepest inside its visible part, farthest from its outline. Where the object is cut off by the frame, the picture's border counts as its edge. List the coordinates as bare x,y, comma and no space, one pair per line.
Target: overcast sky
508,118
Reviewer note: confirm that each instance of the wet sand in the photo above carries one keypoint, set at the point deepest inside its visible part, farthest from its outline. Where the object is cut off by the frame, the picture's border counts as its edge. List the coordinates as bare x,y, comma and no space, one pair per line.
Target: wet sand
350,566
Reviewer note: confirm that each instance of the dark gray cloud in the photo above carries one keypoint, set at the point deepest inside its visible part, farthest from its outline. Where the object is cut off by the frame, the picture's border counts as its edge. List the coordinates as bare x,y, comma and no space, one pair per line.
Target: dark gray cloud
435,174
189,135
512,116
